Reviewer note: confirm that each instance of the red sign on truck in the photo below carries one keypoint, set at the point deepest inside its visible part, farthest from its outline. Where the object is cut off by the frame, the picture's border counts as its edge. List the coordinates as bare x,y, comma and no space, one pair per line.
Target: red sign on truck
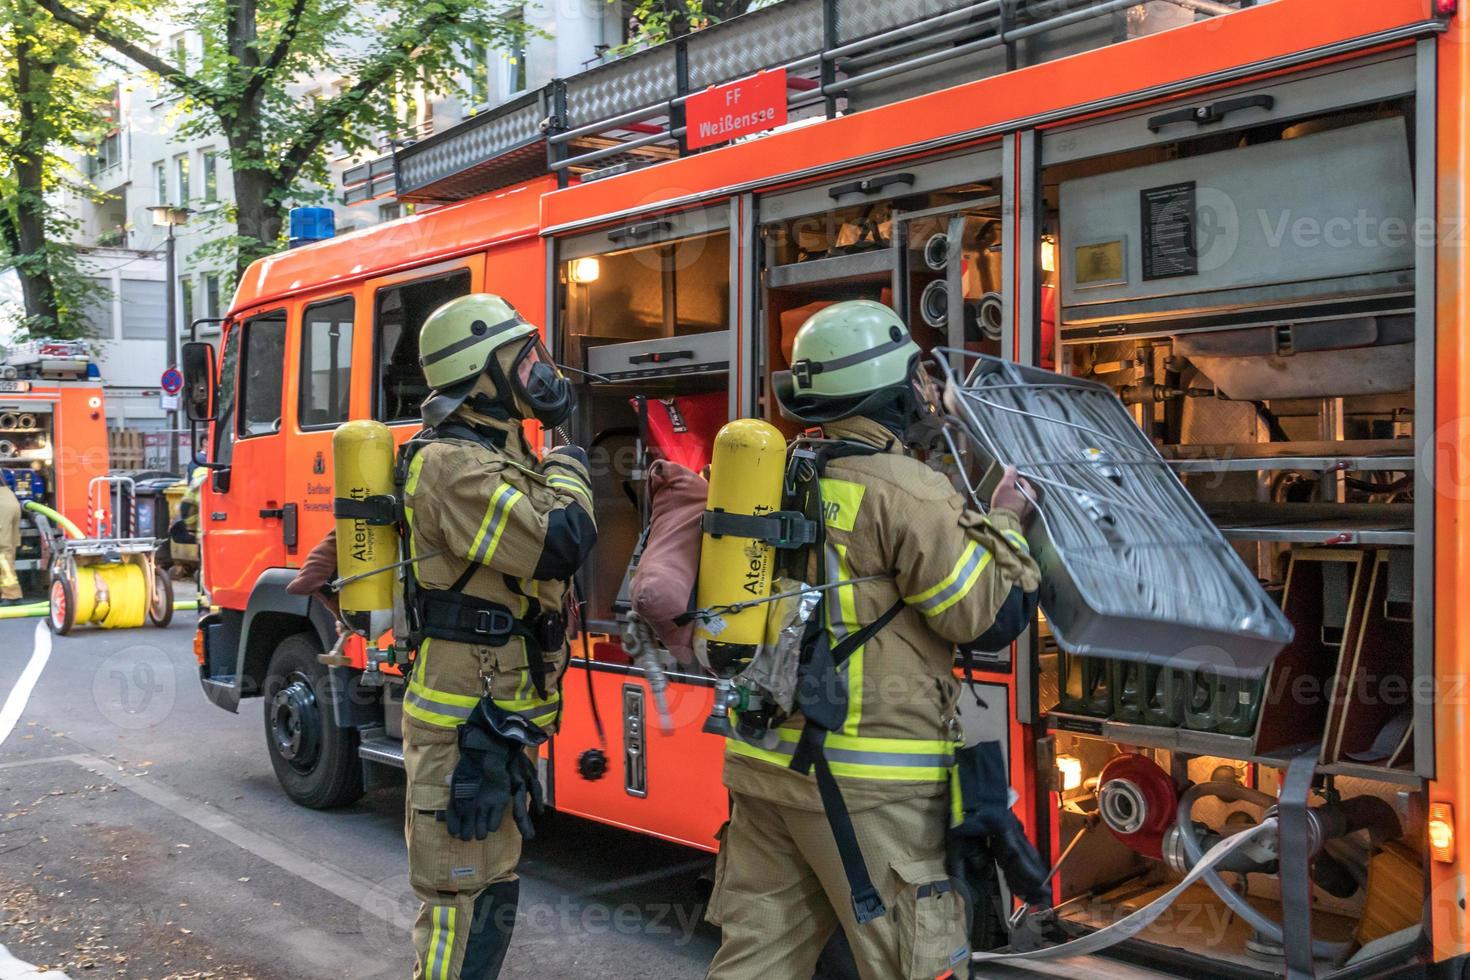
723,112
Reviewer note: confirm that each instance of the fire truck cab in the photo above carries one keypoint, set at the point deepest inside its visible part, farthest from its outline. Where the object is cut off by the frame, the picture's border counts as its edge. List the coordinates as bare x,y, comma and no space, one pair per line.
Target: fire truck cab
1239,216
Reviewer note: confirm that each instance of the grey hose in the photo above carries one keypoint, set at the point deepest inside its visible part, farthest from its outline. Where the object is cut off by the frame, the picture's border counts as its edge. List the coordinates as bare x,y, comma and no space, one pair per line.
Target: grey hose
1236,793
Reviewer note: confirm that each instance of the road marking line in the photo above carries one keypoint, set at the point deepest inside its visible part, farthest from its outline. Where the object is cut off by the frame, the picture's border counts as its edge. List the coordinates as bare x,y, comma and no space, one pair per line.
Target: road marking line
18,763
14,969
344,884
648,876
15,704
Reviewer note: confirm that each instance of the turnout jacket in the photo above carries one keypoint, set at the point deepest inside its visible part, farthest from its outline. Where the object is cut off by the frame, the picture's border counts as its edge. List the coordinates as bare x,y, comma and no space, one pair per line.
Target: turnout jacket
519,527
890,515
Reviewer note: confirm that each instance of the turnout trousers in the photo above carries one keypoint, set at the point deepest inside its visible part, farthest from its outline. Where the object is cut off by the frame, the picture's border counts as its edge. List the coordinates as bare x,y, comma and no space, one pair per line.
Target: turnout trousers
469,889
780,892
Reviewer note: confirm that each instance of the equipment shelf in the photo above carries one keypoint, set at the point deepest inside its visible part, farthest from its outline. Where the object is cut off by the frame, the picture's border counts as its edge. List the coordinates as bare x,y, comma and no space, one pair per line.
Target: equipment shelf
1188,741
875,264
1319,524
1346,456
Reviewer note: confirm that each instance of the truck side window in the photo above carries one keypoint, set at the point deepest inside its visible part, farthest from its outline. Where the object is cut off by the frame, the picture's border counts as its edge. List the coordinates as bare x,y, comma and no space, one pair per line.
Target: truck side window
400,311
326,362
262,372
224,428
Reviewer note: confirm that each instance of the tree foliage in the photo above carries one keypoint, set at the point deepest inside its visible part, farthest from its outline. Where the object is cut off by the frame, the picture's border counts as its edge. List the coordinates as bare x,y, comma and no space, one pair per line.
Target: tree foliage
253,84
653,22
51,106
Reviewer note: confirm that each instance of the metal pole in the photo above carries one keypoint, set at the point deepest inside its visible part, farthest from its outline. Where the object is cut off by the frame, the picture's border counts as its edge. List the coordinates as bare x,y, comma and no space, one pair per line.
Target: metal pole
170,356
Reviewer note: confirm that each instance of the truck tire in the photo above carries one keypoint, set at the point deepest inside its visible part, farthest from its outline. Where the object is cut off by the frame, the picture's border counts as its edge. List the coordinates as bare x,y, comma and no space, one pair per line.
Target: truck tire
315,761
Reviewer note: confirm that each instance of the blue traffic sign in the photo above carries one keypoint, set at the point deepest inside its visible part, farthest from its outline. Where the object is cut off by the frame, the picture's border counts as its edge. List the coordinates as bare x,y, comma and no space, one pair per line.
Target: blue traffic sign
172,381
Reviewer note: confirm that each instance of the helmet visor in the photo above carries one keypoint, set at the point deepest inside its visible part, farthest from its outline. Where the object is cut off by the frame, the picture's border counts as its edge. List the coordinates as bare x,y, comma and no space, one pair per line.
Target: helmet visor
534,353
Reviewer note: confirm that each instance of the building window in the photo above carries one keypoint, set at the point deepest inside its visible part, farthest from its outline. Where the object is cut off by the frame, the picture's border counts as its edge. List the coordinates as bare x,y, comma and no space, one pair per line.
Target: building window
180,50
144,309
211,176
513,60
181,178
160,182
389,212
326,362
108,155
186,301
479,62
211,295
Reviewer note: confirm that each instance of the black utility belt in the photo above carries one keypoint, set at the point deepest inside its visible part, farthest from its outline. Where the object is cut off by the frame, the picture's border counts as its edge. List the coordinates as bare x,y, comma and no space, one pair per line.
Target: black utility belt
447,615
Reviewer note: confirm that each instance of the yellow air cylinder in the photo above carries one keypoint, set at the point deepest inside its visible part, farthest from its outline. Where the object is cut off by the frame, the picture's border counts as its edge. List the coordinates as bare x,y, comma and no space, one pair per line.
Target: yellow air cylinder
746,476
362,453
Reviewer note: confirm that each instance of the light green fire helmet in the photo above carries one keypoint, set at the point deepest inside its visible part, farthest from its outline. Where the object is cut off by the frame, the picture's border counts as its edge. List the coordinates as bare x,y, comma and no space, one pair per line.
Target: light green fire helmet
845,358
457,343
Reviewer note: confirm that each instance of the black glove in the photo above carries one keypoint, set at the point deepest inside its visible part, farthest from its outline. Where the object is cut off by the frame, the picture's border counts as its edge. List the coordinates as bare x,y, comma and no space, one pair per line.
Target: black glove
484,781
986,820
525,793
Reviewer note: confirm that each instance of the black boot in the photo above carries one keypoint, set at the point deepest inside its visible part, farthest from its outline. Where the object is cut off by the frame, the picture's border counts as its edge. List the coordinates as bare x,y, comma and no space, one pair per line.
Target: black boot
495,920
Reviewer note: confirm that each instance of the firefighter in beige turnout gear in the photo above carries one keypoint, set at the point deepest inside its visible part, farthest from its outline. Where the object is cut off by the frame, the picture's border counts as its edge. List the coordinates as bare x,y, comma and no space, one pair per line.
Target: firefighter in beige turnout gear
499,534
947,575
9,540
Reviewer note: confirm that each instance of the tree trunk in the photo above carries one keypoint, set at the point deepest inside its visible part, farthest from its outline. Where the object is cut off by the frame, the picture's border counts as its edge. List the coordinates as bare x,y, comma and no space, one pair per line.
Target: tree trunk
258,220
32,261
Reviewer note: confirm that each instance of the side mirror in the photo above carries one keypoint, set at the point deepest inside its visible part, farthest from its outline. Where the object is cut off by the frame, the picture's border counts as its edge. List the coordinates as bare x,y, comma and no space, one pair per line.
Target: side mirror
200,378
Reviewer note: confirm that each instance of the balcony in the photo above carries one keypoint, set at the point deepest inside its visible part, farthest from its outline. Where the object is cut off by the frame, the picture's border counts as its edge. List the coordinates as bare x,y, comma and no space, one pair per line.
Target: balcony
840,56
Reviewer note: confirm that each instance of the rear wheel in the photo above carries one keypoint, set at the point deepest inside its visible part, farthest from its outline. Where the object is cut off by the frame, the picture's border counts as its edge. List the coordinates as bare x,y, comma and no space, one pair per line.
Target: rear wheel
161,603
61,617
315,760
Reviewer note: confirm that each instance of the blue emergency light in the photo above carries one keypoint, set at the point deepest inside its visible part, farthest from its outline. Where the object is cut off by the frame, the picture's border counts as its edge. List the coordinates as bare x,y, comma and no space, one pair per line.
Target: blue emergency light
309,225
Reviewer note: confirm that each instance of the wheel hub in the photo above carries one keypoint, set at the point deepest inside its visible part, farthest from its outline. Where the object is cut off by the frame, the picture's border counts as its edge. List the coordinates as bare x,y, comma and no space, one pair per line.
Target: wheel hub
296,723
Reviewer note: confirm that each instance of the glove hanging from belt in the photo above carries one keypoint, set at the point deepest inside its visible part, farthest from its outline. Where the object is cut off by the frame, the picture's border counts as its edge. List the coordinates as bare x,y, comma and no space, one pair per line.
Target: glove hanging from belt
983,822
493,773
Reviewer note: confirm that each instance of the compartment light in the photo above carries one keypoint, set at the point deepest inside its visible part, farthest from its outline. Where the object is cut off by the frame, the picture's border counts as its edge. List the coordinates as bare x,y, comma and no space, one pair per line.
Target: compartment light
1442,832
583,271
1048,253
1070,768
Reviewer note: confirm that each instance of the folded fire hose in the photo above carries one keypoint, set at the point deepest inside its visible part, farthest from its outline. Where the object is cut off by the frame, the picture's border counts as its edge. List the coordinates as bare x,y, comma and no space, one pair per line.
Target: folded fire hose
1135,922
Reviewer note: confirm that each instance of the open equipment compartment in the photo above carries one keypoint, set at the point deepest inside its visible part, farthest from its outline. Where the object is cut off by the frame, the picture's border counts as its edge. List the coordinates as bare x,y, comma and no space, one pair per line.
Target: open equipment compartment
1203,272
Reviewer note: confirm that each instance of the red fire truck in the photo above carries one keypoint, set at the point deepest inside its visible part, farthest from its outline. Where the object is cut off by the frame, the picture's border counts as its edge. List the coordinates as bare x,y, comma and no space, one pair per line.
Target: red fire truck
1246,218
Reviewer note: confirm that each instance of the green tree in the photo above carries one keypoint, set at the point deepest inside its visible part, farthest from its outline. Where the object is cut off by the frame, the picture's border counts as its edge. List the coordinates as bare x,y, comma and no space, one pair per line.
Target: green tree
50,105
653,22
259,57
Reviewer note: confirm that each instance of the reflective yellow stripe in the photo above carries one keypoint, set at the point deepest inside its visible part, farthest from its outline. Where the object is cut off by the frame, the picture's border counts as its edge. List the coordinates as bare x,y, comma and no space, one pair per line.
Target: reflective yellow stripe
841,501
537,711
415,466
1019,540
441,942
497,518
572,485
956,585
433,707
853,666
888,759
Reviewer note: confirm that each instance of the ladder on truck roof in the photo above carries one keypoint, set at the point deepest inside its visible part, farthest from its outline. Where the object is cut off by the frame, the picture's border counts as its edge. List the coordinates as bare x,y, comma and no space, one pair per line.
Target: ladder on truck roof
840,56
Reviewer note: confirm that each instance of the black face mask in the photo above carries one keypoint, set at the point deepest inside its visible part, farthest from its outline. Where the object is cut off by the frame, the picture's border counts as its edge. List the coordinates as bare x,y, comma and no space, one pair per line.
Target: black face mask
544,390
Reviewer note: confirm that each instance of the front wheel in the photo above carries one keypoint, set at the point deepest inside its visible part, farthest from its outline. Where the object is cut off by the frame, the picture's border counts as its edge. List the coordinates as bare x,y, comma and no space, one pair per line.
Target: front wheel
161,603
315,760
62,614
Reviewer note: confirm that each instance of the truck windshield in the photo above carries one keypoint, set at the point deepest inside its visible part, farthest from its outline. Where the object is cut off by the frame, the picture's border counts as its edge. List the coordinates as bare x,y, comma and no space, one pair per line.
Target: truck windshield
224,425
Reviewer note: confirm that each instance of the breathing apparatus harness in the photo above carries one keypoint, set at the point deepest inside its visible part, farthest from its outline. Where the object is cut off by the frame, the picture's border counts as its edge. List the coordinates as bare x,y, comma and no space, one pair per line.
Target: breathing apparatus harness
451,614
821,691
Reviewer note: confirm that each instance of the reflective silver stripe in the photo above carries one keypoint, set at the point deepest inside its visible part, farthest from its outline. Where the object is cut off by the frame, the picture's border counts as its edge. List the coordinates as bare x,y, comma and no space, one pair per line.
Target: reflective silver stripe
863,757
900,759
848,360
503,497
438,955
960,584
427,703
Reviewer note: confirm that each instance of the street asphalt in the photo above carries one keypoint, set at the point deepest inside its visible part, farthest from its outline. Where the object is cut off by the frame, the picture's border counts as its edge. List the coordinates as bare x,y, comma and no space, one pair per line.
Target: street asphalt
143,835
